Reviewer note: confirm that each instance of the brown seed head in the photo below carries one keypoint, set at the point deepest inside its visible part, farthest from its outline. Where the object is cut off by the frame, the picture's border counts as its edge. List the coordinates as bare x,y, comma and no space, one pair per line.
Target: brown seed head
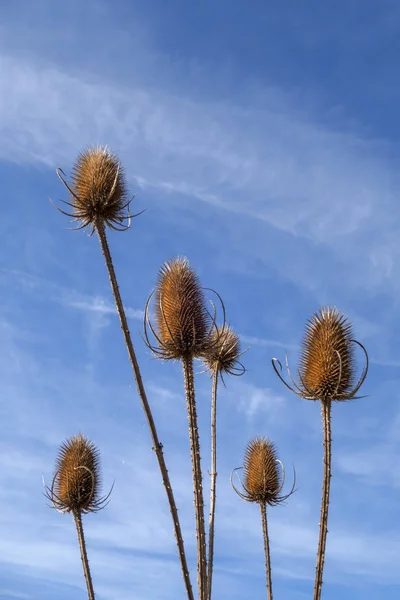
327,358
182,321
98,188
223,351
76,484
262,475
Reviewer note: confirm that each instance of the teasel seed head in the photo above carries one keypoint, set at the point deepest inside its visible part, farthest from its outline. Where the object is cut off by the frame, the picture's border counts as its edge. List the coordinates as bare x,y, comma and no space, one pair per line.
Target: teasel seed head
327,357
222,354
327,361
263,473
76,483
182,322
98,190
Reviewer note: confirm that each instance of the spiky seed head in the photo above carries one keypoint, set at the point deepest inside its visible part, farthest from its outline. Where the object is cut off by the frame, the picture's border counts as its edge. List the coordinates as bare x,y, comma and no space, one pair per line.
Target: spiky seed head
99,188
262,475
182,320
223,351
327,356
76,485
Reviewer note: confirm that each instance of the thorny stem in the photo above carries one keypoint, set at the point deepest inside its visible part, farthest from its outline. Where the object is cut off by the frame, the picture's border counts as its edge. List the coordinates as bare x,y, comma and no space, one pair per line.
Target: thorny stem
323,525
84,557
213,487
158,447
263,509
187,364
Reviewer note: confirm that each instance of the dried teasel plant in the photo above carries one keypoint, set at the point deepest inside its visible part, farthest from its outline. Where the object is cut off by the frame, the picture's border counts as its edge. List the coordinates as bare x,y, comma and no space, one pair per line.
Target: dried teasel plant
98,199
182,331
76,489
221,357
326,372
262,482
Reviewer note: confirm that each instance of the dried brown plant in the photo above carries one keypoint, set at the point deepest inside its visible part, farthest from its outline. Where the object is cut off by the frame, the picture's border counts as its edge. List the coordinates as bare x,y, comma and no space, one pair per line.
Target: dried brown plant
221,357
182,321
222,354
263,481
99,200
182,331
76,489
327,373
98,190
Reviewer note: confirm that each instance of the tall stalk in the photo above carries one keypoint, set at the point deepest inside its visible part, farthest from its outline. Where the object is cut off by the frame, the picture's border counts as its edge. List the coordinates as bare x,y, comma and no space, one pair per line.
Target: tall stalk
268,575
213,477
187,364
323,526
84,556
158,447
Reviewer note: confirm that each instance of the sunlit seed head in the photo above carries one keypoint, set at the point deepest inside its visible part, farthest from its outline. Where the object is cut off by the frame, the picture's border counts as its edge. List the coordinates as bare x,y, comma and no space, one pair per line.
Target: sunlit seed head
327,356
182,320
98,188
262,475
77,480
223,351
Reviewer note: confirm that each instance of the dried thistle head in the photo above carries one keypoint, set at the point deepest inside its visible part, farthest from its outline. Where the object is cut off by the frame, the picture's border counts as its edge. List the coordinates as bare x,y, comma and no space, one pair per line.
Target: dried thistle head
263,475
182,322
98,190
76,483
327,362
222,353
327,358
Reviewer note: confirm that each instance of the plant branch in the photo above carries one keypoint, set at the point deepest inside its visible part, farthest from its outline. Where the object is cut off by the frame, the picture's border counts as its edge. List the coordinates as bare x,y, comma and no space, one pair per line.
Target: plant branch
158,447
187,364
323,526
268,574
84,557
213,487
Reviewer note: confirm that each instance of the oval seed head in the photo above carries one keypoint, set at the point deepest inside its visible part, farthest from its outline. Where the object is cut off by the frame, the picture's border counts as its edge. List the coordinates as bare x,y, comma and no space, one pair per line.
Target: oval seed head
182,321
77,480
223,351
327,358
99,188
262,475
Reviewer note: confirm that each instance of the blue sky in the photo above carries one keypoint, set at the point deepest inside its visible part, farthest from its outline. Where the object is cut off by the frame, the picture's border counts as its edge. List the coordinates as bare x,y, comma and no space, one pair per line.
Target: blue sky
262,140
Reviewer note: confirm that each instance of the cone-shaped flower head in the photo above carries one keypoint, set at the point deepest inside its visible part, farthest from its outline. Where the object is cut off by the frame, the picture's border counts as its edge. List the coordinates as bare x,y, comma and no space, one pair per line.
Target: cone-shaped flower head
262,471
222,353
98,189
263,474
182,321
76,484
327,358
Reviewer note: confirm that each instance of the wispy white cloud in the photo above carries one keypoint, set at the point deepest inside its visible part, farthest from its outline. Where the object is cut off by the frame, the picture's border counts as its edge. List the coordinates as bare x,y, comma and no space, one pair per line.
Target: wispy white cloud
199,149
255,402
70,298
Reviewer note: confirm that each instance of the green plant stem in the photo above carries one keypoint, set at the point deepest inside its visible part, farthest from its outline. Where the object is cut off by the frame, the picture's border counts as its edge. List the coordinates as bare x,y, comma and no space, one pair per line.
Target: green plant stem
157,447
268,574
323,525
213,486
187,364
84,557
